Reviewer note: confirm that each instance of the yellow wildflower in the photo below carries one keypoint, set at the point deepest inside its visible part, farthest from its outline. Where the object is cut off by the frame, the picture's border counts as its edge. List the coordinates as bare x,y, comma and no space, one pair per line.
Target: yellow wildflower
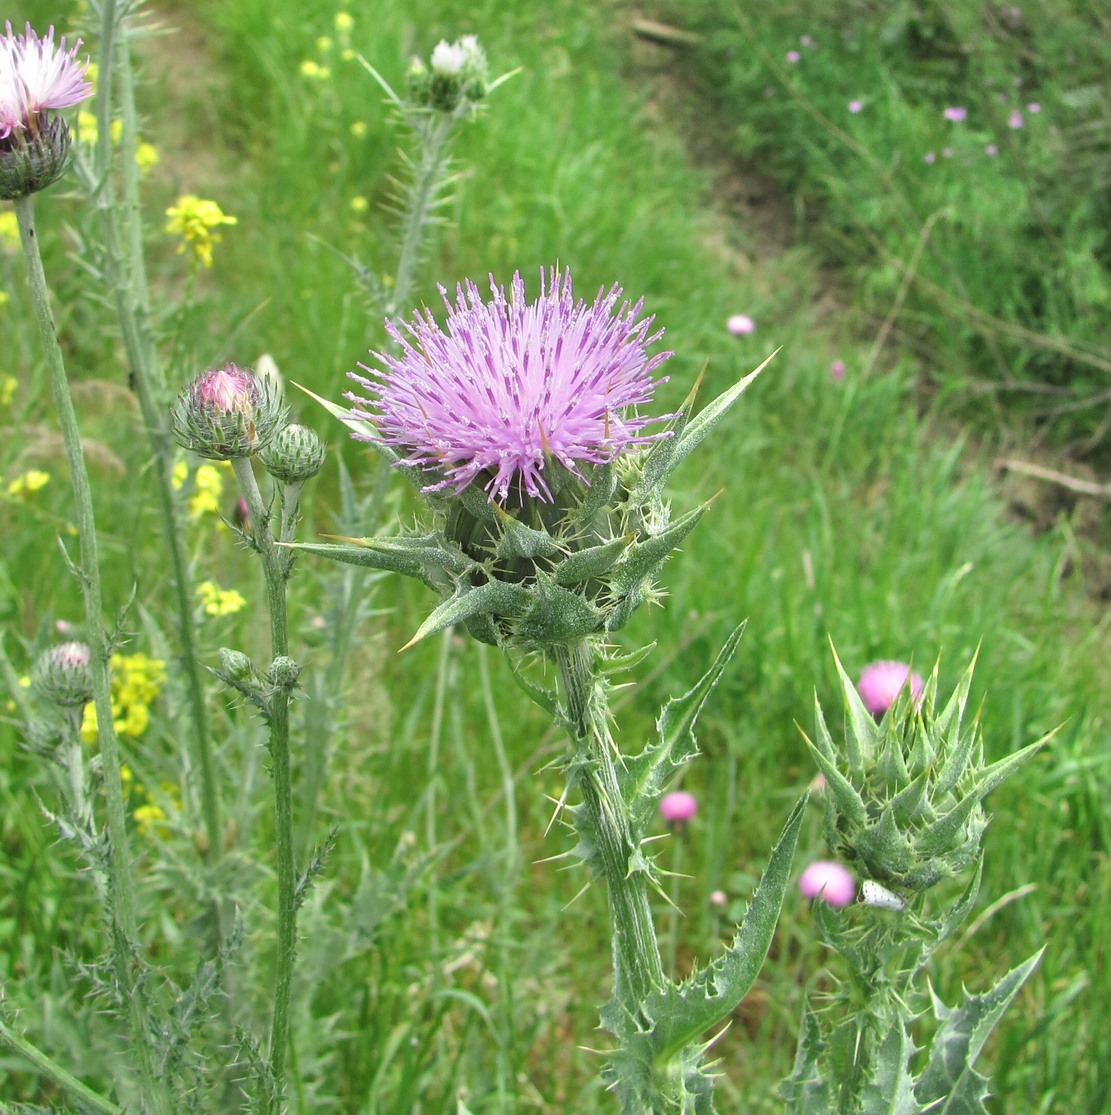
136,682
8,384
28,482
146,156
208,486
219,601
148,818
359,204
324,44
5,297
314,70
193,219
344,21
9,231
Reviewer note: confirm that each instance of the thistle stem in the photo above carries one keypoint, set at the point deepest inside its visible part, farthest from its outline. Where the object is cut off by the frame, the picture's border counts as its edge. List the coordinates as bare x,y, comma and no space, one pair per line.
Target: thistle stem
603,821
126,274
94,1101
276,565
88,574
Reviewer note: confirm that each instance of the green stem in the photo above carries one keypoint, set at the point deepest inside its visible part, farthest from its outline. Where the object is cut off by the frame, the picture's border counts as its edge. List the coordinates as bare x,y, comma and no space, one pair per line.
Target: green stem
53,1071
125,271
603,821
88,573
276,565
432,137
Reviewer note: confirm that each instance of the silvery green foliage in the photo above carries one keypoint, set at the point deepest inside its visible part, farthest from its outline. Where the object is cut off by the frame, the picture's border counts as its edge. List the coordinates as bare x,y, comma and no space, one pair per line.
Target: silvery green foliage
904,806
545,572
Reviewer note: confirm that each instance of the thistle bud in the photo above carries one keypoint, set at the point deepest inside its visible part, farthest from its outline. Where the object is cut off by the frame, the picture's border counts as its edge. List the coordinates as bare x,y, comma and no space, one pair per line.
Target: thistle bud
235,665
294,455
63,675
283,672
455,77
30,162
903,800
227,413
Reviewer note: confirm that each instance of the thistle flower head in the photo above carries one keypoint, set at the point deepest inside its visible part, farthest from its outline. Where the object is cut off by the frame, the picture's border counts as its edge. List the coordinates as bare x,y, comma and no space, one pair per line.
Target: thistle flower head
509,386
454,79
678,807
881,683
296,454
36,77
226,413
63,675
830,881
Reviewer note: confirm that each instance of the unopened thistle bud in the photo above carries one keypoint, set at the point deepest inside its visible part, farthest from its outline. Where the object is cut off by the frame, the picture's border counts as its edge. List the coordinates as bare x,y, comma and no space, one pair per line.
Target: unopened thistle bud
294,455
64,676
227,413
283,672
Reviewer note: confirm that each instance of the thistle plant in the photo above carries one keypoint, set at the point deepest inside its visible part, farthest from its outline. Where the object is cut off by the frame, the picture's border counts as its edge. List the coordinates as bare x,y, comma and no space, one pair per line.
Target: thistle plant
519,423
904,806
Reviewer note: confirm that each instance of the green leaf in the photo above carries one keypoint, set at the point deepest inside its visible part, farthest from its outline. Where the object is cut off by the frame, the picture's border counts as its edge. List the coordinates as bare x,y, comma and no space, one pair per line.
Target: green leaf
593,562
492,598
644,775
860,739
682,1013
890,1087
411,556
806,1091
643,559
950,1085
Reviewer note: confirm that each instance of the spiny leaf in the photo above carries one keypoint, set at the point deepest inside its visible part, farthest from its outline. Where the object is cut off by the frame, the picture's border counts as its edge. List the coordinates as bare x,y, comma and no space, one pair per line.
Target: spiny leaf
682,1013
492,598
950,1085
806,1091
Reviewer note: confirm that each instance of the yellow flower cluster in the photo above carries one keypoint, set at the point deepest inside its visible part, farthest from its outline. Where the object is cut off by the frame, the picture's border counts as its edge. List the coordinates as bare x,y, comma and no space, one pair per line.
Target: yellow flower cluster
150,817
146,154
8,384
208,486
136,681
219,601
193,219
27,483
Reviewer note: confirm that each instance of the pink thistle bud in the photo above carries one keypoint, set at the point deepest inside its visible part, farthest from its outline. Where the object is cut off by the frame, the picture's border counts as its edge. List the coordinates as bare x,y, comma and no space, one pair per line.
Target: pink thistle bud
855,106
837,370
881,682
63,675
955,113
678,807
719,899
1015,119
793,56
828,880
227,413
740,325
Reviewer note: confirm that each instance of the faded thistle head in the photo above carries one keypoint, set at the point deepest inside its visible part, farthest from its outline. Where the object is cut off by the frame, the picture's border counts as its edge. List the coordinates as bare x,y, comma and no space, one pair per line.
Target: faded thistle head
63,675
903,796
519,421
454,79
37,77
227,413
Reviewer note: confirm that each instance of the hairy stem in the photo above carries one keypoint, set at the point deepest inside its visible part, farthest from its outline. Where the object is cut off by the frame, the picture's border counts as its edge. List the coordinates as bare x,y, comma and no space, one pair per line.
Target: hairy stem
276,564
88,573
125,271
603,821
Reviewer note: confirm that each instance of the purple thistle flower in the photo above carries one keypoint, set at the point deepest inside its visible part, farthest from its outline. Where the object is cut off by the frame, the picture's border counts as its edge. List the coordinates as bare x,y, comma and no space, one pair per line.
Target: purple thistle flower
955,113
36,75
828,880
856,106
678,807
793,56
1015,119
881,682
509,385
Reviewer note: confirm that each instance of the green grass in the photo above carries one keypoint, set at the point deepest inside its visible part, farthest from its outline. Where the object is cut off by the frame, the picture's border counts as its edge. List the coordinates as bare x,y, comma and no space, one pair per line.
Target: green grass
439,959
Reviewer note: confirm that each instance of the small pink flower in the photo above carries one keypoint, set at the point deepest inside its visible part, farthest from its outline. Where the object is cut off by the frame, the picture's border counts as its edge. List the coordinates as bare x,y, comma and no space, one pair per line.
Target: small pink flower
817,783
828,880
991,149
806,40
837,370
855,106
719,899
956,113
1015,119
678,807
947,153
929,158
793,56
881,682
740,325
1033,108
